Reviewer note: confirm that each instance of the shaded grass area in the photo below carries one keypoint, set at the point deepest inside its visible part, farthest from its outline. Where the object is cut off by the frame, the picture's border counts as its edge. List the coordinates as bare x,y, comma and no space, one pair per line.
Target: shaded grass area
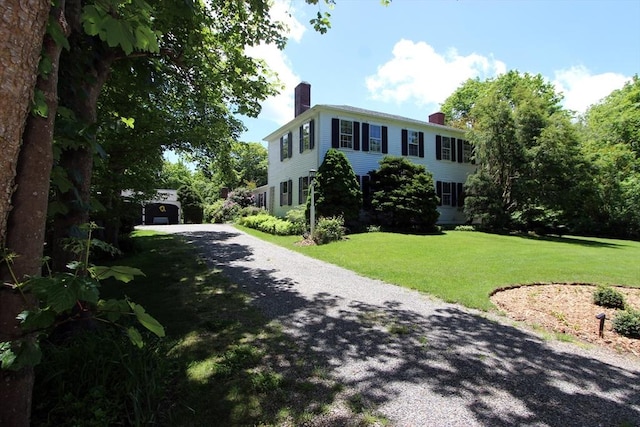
221,363
465,267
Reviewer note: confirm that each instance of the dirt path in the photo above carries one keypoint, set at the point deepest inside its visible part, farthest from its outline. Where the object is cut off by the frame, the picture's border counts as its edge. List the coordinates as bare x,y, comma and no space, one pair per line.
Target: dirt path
419,361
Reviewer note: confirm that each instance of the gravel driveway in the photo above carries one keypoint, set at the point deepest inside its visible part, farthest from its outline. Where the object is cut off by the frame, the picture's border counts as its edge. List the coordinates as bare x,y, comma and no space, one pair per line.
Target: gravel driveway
417,360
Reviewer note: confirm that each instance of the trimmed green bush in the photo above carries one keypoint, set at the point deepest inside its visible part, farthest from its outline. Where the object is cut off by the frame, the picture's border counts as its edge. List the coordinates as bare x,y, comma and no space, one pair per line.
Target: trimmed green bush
297,218
269,224
606,296
328,230
627,323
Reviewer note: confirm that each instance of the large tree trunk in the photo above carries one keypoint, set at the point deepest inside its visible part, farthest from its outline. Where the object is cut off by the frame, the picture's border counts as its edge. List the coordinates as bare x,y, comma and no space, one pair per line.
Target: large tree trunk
80,94
22,26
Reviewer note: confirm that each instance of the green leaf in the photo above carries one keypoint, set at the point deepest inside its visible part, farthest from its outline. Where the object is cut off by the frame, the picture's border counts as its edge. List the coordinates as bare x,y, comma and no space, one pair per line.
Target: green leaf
7,356
39,107
38,319
147,320
129,122
91,19
135,337
122,273
113,309
56,33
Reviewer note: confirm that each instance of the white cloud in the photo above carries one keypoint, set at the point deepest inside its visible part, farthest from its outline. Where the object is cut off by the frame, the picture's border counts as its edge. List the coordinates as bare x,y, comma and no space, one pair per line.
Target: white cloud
280,107
419,74
582,89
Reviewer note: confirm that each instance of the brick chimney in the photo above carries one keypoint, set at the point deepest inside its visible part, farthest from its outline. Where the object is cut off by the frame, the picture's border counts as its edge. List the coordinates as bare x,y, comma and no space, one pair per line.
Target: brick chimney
437,118
302,98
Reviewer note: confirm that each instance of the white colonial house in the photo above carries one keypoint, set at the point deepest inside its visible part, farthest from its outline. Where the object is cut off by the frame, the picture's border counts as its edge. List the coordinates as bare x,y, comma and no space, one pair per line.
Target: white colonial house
365,137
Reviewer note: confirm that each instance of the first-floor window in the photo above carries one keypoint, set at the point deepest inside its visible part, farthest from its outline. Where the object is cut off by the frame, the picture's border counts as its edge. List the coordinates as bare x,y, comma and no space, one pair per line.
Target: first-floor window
285,193
446,194
303,192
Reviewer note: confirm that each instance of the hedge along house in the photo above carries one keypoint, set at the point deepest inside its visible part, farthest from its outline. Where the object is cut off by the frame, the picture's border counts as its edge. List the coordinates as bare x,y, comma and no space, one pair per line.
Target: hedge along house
365,137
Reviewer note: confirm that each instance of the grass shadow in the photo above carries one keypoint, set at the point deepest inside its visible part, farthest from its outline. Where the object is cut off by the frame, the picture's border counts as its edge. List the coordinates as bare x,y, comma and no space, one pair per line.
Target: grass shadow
449,367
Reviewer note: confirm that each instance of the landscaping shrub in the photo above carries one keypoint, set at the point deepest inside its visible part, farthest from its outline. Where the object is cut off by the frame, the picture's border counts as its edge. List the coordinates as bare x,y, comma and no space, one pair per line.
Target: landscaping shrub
269,224
608,297
465,228
297,218
627,323
328,230
251,211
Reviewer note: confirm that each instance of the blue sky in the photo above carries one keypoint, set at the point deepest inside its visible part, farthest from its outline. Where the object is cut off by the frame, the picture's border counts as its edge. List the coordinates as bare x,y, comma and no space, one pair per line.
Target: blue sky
407,58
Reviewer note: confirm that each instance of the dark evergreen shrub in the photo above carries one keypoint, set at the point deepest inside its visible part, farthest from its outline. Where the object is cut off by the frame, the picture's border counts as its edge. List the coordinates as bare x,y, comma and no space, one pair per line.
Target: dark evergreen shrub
606,296
627,323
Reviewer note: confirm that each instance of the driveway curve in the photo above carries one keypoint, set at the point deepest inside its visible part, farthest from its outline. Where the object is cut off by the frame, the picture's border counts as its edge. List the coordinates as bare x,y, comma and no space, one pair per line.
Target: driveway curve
417,360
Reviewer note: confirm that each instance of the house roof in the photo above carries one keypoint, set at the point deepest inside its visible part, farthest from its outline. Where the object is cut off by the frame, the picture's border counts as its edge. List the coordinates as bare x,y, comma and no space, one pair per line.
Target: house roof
356,110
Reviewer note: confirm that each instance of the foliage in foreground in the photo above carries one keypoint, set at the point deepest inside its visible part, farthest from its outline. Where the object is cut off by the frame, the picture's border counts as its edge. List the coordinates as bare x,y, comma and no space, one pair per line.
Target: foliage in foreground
220,361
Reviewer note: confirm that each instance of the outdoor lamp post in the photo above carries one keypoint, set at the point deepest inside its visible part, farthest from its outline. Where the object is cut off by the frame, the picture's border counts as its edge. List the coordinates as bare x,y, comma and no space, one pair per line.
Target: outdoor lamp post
312,214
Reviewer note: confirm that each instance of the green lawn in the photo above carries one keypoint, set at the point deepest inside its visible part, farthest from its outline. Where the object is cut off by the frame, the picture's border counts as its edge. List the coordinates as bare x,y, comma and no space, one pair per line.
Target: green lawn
464,267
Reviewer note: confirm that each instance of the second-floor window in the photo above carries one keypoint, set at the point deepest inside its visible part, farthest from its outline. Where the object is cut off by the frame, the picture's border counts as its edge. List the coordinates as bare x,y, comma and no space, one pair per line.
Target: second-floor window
414,142
446,148
375,138
285,146
346,134
467,151
306,136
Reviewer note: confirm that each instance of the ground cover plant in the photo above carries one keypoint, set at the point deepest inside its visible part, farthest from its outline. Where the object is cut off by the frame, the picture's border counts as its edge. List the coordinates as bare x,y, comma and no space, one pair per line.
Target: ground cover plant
465,267
220,360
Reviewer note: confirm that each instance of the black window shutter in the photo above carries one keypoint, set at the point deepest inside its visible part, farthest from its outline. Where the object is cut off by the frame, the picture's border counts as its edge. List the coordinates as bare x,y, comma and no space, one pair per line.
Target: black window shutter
421,144
290,150
438,147
453,149
281,152
385,140
301,139
454,194
300,201
312,134
460,150
356,135
439,192
405,144
460,194
365,137
281,189
289,193
335,133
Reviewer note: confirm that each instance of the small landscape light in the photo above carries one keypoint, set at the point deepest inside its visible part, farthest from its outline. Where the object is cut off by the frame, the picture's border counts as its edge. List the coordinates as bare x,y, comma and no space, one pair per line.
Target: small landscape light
602,318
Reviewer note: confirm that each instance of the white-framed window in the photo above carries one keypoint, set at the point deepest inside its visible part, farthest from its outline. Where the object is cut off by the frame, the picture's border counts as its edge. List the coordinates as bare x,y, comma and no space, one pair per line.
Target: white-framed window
375,138
284,147
467,151
446,194
446,148
346,134
304,189
285,193
306,136
413,143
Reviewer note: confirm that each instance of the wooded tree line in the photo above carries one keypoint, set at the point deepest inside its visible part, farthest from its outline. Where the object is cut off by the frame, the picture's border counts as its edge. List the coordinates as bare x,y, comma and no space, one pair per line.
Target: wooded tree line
540,168
92,93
